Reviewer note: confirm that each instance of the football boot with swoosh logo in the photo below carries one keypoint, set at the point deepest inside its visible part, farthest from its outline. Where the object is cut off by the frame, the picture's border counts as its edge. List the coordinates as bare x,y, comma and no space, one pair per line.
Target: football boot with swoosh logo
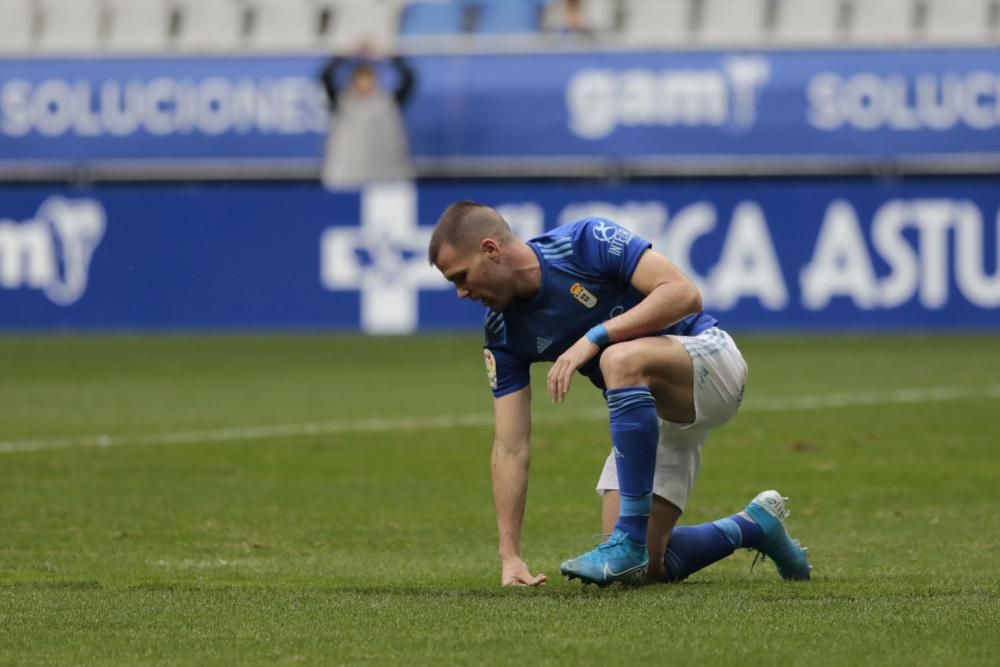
617,560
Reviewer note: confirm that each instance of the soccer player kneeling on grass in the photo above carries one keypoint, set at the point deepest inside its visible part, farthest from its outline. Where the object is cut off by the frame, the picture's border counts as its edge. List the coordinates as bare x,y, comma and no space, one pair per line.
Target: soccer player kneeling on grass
595,298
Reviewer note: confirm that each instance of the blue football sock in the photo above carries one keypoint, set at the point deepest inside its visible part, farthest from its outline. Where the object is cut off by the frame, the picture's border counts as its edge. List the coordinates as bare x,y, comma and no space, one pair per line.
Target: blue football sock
692,548
634,433
749,530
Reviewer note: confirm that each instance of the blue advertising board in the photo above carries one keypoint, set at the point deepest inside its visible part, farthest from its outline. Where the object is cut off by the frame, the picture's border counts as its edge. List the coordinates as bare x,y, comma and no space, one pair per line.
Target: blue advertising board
639,108
816,254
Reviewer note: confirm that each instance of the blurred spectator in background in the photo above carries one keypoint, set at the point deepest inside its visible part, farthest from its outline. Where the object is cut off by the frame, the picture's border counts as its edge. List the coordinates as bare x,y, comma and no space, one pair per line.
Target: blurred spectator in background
367,138
566,17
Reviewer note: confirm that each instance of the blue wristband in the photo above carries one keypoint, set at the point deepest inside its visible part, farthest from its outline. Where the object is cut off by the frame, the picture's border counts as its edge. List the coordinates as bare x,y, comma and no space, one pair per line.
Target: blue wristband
599,336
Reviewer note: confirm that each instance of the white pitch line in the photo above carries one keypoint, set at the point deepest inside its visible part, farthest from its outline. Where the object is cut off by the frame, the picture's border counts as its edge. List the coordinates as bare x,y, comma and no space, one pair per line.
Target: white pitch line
383,425
868,398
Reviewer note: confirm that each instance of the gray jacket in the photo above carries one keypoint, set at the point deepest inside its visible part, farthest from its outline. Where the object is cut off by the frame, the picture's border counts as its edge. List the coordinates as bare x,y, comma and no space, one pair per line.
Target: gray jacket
367,138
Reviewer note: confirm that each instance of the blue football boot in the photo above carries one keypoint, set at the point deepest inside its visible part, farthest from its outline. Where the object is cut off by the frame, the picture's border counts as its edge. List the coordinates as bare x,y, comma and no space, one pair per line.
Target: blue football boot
618,559
768,510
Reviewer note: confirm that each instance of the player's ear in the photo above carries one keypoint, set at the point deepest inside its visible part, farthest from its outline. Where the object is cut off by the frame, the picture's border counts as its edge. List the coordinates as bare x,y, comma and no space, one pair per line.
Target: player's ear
490,248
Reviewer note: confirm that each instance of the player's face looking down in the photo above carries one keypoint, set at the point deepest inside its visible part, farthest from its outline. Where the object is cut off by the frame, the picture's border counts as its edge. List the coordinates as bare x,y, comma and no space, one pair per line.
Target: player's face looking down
479,274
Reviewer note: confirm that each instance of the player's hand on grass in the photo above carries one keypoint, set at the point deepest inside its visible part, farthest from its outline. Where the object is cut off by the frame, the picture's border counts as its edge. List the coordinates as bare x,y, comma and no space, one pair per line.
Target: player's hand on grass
516,573
561,373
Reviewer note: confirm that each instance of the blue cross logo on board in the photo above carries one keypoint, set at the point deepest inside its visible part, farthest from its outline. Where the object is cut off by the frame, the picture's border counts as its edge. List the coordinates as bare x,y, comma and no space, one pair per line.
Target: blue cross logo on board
385,258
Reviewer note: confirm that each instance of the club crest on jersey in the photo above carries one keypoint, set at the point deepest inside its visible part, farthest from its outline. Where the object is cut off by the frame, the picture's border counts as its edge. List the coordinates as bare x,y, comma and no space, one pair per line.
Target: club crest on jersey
583,295
491,368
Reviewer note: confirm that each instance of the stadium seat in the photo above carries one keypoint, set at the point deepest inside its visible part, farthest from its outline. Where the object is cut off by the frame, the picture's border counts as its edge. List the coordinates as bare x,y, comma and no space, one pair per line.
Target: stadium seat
70,26
601,16
957,21
137,26
807,22
657,22
209,25
881,22
16,30
433,17
500,17
725,22
283,25
358,21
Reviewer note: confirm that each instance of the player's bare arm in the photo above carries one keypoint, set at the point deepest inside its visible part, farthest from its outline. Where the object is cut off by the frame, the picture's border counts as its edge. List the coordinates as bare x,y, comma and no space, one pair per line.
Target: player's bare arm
670,297
510,464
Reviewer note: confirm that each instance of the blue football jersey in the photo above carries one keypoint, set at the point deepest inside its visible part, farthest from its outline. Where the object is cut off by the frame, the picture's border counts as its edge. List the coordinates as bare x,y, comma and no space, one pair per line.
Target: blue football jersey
587,269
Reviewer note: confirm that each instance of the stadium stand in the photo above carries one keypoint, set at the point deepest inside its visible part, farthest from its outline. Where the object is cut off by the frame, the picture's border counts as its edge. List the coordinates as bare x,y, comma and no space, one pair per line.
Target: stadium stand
18,26
433,17
659,22
883,22
283,25
959,21
725,22
599,17
807,22
498,17
137,26
602,16
71,26
357,21
209,25
223,26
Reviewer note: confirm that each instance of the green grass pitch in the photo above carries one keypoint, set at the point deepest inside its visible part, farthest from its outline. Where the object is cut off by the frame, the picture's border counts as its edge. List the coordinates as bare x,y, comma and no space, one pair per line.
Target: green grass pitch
325,500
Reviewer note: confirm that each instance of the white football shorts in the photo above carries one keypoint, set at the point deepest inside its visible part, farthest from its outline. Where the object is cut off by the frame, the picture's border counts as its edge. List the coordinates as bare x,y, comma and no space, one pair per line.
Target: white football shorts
720,375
